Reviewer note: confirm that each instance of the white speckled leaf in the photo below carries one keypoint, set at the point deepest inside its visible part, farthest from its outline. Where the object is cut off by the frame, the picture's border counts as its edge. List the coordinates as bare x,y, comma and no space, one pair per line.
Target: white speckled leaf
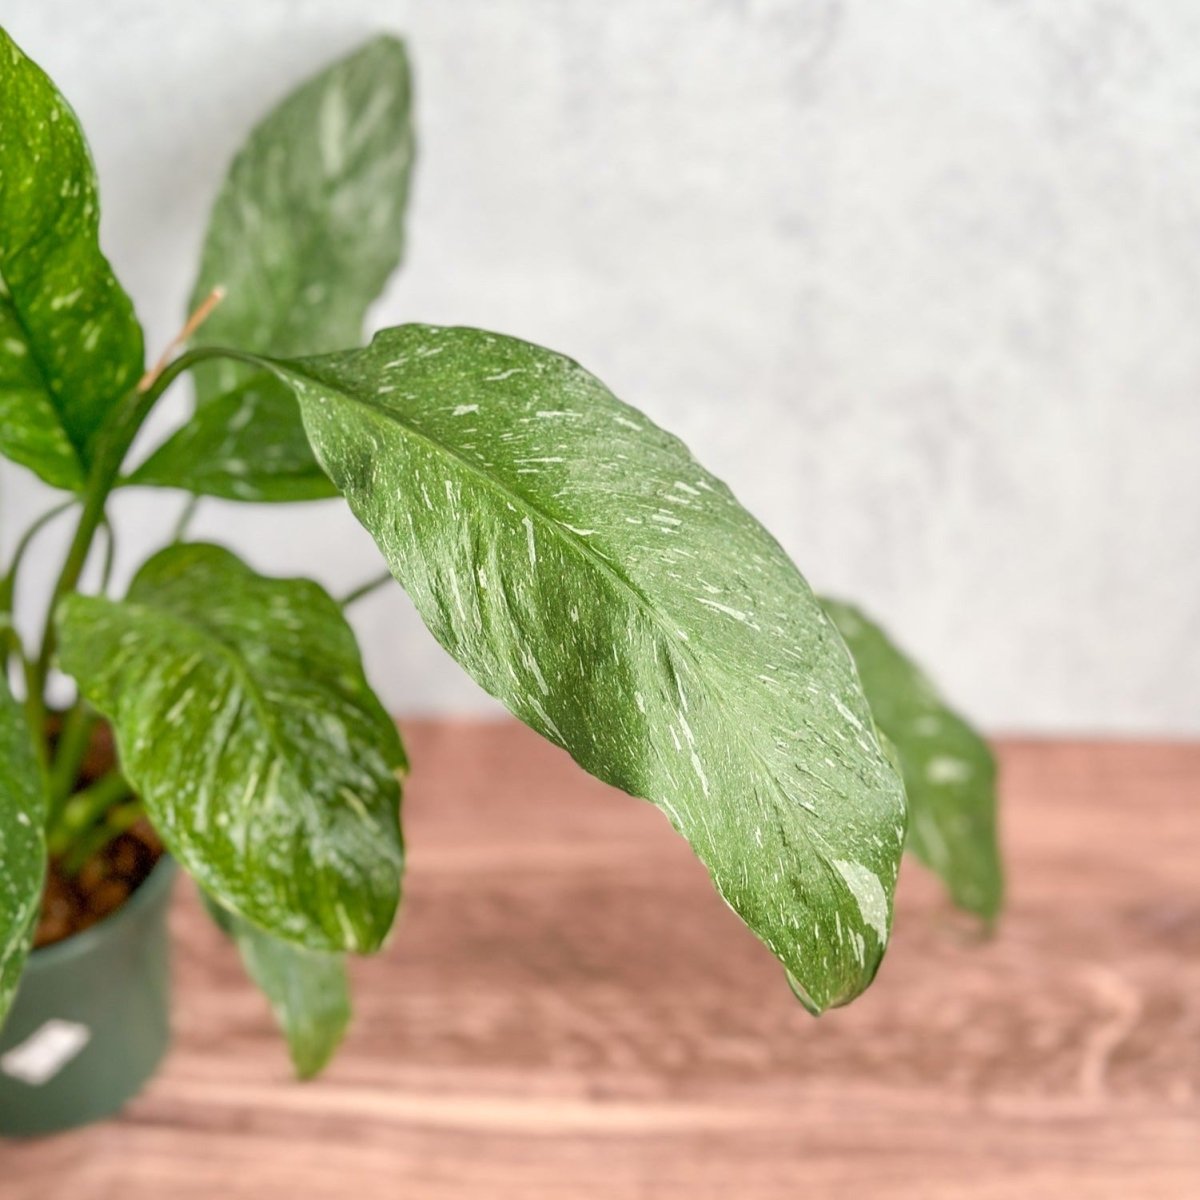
308,990
243,719
616,597
949,772
303,236
22,846
70,345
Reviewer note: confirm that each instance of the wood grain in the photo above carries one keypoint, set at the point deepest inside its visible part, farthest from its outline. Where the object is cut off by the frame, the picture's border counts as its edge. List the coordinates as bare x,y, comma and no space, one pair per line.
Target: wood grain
567,1010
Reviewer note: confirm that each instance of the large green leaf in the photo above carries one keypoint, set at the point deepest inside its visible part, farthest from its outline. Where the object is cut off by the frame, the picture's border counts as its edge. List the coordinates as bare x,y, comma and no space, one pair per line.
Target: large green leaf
243,720
949,772
22,845
616,597
303,236
307,989
70,345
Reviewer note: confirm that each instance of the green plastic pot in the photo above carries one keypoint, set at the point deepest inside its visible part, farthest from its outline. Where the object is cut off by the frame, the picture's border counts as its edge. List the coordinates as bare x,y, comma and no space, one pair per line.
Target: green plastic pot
90,1022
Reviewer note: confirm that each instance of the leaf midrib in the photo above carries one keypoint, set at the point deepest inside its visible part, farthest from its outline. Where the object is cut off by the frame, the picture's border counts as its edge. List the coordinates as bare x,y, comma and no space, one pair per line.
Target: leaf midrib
390,416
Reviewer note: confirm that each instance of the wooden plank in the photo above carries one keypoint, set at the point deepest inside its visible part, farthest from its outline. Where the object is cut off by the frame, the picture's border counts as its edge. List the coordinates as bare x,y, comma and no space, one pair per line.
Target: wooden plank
567,1010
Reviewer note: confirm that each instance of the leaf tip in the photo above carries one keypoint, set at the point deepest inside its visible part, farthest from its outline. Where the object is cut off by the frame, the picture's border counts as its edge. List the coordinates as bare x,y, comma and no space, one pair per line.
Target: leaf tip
798,990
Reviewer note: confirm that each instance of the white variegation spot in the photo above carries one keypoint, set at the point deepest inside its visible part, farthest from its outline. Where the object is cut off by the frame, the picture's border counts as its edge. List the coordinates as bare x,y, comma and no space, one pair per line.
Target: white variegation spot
868,893
943,769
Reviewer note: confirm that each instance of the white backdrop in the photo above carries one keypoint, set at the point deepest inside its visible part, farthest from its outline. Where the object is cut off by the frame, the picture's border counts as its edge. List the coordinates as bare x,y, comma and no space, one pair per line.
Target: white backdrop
920,280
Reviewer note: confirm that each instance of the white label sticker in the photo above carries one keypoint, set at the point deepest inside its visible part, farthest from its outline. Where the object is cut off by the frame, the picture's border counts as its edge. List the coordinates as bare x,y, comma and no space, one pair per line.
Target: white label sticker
45,1052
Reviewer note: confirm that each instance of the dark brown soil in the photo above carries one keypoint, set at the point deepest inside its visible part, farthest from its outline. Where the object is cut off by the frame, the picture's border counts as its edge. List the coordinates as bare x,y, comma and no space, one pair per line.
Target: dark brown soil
108,879
103,884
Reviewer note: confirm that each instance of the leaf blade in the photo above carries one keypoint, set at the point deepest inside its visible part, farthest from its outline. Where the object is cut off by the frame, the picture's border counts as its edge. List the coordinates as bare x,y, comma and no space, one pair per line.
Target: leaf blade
70,344
22,843
303,235
949,772
537,523
246,444
308,990
243,720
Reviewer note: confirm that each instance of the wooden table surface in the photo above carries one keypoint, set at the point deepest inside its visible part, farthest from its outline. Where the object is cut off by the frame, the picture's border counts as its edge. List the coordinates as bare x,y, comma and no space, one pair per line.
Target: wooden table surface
567,1010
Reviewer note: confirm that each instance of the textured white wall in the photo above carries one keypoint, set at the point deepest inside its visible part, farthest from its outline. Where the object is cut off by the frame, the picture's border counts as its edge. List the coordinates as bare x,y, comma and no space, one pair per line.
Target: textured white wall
920,280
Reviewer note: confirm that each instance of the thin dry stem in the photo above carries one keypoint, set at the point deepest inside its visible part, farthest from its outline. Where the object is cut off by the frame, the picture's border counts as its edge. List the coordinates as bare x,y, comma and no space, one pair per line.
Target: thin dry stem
203,310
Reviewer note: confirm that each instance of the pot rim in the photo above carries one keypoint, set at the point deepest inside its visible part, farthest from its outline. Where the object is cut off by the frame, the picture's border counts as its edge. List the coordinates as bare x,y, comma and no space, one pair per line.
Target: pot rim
145,894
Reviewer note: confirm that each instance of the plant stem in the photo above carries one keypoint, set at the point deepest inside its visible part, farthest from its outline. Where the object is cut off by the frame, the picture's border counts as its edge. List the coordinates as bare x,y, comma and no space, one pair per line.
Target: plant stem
85,809
35,712
185,519
10,640
116,822
9,581
73,740
112,445
365,589
110,554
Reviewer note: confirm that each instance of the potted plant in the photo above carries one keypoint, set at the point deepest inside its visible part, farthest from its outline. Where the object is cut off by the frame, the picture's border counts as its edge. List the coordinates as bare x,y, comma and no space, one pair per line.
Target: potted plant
571,555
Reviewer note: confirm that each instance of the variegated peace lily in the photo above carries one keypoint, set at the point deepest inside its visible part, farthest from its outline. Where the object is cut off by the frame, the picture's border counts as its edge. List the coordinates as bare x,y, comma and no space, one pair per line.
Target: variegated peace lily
569,553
